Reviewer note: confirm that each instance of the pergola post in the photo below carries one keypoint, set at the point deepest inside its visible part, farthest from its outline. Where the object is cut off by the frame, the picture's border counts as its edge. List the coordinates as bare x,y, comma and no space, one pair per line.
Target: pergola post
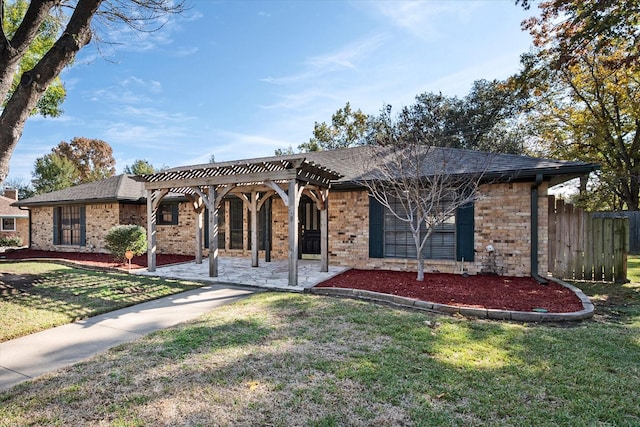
293,231
254,228
324,233
151,232
213,232
199,226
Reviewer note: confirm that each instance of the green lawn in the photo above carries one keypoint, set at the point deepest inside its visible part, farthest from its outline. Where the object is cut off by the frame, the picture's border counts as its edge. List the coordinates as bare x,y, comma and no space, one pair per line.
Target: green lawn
55,294
289,359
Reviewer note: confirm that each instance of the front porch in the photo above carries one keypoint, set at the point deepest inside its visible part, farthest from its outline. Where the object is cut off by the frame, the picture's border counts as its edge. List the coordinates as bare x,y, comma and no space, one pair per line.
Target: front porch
272,275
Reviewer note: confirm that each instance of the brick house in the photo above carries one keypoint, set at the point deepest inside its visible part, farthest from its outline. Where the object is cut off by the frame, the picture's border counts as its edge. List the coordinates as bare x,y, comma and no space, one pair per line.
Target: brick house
359,233
14,222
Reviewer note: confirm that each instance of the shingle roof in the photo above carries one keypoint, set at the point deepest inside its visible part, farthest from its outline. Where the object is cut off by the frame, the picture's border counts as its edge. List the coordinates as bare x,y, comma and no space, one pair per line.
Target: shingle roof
346,162
8,211
119,188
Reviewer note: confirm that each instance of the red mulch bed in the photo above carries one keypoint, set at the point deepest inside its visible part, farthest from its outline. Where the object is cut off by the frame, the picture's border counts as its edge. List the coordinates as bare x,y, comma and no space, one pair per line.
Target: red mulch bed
95,260
483,291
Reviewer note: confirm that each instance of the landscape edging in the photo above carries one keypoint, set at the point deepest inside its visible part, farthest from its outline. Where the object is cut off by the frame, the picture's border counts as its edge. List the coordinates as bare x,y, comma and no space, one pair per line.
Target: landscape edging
482,313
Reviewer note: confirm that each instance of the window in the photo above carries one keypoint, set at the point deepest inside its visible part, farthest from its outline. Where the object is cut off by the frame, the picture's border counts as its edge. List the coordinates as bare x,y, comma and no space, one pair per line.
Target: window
69,225
167,214
392,238
8,224
399,242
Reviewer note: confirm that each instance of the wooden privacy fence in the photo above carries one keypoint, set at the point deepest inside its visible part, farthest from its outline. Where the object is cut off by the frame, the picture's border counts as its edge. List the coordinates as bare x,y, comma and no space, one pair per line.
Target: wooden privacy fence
634,227
585,247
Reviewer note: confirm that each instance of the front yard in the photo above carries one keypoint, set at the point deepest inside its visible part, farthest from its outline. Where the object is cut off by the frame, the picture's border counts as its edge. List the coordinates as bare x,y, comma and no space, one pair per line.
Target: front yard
38,295
289,359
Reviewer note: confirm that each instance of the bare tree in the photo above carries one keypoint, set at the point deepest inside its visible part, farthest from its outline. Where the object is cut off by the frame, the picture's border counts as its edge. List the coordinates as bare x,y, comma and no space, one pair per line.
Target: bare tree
422,185
20,100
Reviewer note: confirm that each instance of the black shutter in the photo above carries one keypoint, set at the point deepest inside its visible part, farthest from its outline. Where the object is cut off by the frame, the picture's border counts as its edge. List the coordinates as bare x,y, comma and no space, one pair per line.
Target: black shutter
464,233
83,226
376,229
56,226
175,208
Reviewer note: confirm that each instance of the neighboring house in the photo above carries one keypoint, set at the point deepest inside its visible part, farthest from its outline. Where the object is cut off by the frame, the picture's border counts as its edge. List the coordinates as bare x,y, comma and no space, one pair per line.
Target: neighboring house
360,233
14,222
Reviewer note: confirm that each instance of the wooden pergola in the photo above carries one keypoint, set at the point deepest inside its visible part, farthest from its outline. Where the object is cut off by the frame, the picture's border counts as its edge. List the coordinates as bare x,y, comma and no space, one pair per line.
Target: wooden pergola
254,182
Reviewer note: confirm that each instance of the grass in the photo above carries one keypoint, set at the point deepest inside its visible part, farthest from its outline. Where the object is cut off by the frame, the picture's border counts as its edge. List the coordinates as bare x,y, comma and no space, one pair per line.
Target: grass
57,294
289,360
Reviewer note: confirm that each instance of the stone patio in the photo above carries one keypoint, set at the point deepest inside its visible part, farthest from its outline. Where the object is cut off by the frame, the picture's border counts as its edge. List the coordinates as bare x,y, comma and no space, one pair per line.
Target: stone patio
238,271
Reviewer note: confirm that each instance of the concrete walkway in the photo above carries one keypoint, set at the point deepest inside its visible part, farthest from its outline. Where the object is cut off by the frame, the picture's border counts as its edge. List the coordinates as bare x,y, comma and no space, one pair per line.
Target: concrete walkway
34,355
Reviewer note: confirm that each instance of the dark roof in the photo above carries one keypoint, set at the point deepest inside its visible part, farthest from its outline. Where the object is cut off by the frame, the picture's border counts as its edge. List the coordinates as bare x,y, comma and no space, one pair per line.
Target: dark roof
347,162
119,188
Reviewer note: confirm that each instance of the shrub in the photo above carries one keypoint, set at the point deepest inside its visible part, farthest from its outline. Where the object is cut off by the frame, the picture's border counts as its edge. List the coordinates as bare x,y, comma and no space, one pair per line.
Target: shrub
11,241
123,238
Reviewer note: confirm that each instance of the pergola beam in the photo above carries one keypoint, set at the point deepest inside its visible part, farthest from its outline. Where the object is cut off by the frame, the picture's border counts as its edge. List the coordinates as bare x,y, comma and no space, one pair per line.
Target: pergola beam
260,179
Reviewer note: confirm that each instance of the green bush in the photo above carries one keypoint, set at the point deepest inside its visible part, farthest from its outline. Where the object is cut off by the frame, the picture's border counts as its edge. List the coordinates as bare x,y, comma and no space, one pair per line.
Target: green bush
10,241
123,238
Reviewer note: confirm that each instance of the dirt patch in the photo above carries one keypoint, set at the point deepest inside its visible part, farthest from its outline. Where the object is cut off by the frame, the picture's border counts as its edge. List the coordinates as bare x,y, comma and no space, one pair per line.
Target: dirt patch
482,291
95,260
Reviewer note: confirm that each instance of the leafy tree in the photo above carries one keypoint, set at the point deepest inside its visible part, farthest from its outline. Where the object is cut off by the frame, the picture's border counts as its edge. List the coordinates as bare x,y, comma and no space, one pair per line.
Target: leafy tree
14,12
53,172
283,151
588,101
347,129
38,41
139,167
417,183
93,158
486,119
567,27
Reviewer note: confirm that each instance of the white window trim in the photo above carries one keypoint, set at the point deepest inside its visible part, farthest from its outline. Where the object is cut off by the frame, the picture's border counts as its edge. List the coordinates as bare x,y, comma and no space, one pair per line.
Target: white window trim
15,225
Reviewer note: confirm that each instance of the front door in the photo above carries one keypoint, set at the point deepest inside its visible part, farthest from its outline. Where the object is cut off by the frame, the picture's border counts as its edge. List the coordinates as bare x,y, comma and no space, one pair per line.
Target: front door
309,229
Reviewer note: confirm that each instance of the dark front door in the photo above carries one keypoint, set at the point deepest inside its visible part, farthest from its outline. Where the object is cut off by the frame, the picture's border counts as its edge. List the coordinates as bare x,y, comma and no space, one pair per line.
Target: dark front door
309,227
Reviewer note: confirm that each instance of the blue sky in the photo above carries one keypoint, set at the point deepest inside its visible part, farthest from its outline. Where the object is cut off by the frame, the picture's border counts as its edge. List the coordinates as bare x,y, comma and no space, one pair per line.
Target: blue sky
238,79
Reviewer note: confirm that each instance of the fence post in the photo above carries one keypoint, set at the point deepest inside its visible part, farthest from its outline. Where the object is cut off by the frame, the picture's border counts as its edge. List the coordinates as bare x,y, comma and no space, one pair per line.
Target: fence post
621,249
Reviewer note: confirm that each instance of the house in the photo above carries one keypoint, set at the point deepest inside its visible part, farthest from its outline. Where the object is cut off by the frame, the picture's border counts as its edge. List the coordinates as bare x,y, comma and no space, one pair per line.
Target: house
332,216
14,222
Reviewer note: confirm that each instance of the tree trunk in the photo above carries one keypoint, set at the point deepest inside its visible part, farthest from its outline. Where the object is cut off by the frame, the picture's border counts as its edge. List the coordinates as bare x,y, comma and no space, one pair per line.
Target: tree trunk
35,82
420,258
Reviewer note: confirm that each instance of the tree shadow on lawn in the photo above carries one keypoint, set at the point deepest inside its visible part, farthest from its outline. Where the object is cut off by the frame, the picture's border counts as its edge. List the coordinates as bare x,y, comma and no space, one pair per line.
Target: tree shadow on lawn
81,293
283,359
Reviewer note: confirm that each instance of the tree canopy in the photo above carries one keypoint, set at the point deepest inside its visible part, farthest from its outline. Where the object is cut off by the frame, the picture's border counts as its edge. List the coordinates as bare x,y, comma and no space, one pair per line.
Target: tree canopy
486,119
71,163
53,172
139,167
347,129
39,39
587,93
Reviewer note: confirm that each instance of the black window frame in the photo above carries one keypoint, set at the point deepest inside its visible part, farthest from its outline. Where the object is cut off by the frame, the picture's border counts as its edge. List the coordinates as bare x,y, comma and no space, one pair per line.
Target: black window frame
69,225
464,231
167,214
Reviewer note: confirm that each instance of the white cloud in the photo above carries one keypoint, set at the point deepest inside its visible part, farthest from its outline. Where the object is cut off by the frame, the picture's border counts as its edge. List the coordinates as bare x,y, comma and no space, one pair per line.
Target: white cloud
422,19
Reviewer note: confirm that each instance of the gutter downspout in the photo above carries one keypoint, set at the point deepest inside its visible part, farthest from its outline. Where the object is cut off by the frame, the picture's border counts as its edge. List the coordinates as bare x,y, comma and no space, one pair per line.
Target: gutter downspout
534,230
